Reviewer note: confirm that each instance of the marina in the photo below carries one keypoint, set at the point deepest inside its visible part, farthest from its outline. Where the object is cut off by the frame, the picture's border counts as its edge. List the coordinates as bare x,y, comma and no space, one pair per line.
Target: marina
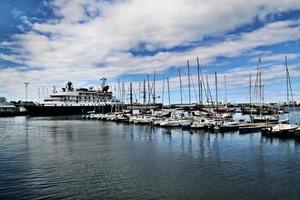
149,100
270,128
212,115
100,103
104,142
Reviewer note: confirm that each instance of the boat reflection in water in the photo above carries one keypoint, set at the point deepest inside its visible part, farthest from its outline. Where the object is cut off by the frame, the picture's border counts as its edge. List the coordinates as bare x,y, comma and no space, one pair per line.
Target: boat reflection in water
71,158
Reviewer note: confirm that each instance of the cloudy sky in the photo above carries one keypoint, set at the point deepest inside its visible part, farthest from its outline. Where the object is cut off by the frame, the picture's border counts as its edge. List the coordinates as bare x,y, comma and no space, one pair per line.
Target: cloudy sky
50,42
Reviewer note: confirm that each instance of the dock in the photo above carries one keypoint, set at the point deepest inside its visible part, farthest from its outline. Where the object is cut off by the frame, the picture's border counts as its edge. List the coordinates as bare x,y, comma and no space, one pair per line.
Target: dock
194,121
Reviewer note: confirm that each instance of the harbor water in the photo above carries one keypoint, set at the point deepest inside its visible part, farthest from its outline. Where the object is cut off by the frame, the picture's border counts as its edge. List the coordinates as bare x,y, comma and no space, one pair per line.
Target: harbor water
71,158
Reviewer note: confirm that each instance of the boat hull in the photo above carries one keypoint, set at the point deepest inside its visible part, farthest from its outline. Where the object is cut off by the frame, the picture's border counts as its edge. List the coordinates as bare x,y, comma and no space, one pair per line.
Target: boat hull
249,129
288,133
12,114
228,128
38,110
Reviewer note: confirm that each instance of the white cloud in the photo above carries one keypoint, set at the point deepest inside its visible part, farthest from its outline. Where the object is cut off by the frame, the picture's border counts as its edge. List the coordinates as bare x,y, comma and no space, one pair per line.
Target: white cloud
278,57
99,46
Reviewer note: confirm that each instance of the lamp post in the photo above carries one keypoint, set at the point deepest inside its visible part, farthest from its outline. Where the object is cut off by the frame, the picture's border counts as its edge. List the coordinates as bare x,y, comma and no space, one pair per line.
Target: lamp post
26,90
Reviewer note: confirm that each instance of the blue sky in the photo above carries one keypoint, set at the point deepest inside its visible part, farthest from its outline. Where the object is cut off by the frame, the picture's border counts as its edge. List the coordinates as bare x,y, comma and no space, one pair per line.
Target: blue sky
50,42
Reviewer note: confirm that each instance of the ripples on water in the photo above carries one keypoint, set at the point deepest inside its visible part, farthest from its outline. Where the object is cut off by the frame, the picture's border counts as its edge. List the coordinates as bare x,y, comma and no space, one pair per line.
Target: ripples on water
46,158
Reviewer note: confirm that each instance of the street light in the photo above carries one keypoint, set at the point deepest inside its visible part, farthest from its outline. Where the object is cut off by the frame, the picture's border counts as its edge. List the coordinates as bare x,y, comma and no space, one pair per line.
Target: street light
26,90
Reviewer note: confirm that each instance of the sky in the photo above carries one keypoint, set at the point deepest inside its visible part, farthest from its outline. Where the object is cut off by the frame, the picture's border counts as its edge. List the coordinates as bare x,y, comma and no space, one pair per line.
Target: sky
50,42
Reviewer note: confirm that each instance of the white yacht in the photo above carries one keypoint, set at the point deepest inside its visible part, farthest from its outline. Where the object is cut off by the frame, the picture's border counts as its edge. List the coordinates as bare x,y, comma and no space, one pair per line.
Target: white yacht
70,101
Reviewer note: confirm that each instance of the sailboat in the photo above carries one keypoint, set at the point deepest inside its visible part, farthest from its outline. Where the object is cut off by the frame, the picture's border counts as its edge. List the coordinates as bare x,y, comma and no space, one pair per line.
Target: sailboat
263,111
289,93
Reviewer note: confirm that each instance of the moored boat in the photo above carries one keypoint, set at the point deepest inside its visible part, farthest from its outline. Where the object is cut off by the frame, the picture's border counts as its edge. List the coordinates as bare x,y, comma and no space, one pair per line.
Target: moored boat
170,123
250,128
280,130
71,101
264,119
228,126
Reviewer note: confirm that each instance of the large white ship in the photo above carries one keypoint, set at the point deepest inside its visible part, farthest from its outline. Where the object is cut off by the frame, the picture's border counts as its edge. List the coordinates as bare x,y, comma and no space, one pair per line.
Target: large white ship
71,101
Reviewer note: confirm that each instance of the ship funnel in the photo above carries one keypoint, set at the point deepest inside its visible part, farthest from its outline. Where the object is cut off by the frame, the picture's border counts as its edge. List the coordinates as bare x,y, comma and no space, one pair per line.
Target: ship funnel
103,82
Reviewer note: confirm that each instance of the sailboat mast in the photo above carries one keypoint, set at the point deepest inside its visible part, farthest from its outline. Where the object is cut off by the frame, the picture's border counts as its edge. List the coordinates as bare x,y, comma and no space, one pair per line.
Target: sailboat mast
256,86
153,96
144,92
260,84
139,93
130,96
180,82
289,85
216,83
189,80
148,80
199,83
163,92
250,89
225,85
263,94
287,81
169,92
203,87
123,93
208,91
119,95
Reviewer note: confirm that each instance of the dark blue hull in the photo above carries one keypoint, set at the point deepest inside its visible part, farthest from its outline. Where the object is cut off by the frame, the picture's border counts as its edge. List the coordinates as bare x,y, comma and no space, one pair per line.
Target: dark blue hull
38,110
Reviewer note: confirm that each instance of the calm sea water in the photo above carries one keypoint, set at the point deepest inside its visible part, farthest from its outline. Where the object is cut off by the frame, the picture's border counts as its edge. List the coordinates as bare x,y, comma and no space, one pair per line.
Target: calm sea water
56,158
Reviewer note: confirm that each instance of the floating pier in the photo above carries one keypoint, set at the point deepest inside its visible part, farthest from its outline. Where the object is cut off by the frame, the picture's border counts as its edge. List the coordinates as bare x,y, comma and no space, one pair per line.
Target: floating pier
194,121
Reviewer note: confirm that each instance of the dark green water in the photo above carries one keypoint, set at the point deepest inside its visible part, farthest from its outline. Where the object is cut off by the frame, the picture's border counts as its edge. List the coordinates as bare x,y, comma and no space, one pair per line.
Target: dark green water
56,158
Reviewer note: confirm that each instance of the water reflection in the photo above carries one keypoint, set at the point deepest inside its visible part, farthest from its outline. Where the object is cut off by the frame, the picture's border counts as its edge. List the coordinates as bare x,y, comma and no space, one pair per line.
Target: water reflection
72,158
